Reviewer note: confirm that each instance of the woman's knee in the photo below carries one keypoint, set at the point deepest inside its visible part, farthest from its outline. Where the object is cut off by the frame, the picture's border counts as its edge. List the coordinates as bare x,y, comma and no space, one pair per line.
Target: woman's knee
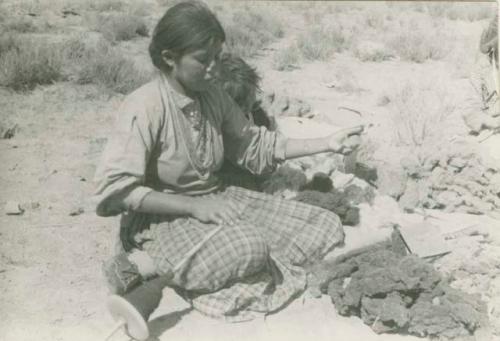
252,253
236,253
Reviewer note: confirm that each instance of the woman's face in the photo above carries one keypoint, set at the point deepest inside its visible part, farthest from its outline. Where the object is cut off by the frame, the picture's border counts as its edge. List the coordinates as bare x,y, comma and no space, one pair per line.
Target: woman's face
196,70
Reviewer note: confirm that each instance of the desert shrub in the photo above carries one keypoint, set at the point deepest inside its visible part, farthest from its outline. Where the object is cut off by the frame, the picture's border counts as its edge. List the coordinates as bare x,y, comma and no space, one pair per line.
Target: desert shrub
105,65
321,43
461,11
419,40
27,62
120,27
7,42
368,51
21,25
106,5
420,114
249,31
286,59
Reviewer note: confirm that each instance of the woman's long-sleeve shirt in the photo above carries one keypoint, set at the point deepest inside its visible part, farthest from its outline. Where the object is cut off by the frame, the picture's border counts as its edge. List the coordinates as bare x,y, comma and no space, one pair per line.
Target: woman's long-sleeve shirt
154,147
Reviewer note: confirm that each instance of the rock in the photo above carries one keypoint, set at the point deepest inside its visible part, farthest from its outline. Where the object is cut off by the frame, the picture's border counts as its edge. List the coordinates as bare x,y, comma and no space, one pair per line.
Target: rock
13,208
412,166
76,210
457,162
411,197
474,121
430,163
297,107
438,178
391,181
449,199
495,184
340,179
8,132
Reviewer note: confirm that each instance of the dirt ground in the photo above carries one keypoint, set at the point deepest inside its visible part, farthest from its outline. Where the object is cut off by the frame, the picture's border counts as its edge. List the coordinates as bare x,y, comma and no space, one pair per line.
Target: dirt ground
51,254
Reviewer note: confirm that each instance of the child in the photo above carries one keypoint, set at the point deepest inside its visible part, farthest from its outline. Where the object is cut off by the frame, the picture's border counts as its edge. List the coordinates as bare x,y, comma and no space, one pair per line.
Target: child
241,82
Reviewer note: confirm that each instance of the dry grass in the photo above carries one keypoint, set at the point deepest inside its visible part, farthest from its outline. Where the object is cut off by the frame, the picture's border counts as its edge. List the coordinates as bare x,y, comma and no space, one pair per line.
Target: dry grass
27,62
102,64
420,114
418,39
249,30
121,27
287,58
20,25
461,11
322,42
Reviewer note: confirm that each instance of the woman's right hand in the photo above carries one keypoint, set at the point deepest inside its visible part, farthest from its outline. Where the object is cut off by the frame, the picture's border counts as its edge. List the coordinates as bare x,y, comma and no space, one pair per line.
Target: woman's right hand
210,209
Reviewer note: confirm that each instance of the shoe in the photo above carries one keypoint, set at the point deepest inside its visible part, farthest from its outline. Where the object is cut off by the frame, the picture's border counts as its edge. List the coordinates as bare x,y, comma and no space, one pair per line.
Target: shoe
121,275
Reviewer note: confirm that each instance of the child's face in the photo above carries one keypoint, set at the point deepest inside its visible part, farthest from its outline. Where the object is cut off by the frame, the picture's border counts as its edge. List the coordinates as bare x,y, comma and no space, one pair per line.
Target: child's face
250,102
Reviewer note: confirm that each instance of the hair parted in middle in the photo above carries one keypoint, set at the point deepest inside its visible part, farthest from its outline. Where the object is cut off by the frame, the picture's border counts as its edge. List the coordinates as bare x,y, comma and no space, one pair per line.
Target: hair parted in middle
185,27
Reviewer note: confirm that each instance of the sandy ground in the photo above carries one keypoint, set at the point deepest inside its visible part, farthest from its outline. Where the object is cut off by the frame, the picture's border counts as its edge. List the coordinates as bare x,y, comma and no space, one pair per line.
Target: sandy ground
50,256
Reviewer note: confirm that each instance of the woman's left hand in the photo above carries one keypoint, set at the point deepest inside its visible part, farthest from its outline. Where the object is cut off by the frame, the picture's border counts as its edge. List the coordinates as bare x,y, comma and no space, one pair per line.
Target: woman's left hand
345,141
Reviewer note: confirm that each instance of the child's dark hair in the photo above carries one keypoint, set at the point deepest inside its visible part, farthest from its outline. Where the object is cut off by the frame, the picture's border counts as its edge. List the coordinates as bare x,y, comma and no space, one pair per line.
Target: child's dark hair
237,78
185,27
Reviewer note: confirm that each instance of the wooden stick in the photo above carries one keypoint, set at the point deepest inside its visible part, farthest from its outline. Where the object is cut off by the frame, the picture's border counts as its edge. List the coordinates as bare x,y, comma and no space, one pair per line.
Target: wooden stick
196,248
352,110
118,324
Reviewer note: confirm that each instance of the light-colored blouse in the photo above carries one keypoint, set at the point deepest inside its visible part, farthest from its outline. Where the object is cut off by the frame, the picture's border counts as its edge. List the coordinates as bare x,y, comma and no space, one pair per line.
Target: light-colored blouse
155,147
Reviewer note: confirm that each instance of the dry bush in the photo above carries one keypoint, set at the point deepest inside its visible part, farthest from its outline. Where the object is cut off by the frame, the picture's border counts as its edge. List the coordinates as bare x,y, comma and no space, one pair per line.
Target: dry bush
250,30
27,62
20,25
418,40
102,64
369,51
461,11
121,27
421,114
287,58
106,5
8,42
322,42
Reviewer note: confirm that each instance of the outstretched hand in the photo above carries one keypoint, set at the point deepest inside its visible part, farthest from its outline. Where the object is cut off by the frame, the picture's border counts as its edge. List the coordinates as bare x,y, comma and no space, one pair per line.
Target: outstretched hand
210,209
346,141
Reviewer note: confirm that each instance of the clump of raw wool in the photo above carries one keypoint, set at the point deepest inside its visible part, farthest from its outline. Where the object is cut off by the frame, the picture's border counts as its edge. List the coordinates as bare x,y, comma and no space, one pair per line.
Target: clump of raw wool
392,292
320,182
283,179
333,201
456,180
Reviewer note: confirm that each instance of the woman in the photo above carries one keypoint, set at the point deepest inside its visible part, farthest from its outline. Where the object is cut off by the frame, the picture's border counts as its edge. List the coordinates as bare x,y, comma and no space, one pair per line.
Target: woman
158,171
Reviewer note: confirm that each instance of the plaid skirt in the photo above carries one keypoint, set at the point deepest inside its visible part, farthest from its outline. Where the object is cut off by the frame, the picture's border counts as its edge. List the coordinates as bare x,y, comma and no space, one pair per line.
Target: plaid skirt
256,266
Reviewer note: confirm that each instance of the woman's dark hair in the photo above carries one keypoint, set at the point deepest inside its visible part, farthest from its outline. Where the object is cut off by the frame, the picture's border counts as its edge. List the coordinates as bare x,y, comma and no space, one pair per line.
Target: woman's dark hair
185,27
